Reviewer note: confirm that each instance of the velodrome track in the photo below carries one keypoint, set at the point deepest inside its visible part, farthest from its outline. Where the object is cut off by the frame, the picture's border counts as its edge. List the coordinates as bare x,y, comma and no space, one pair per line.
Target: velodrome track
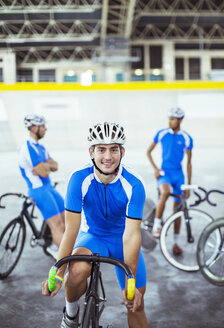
173,299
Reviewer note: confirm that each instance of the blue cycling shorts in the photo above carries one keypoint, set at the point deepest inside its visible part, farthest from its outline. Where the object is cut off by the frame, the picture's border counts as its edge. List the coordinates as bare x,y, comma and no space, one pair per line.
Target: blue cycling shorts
112,246
175,178
48,200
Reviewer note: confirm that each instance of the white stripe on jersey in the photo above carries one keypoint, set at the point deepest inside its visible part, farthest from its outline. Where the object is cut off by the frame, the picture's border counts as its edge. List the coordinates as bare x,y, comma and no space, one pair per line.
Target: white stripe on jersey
86,183
128,190
26,164
162,133
186,138
84,226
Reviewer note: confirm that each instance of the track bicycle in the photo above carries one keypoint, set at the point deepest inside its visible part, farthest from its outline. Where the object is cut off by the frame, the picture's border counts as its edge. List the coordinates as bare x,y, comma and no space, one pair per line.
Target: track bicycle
190,223
95,298
13,236
210,251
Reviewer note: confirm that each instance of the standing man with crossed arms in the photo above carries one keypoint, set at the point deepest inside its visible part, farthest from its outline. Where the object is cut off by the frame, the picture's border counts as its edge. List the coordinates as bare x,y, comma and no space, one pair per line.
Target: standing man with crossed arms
175,142
35,165
104,207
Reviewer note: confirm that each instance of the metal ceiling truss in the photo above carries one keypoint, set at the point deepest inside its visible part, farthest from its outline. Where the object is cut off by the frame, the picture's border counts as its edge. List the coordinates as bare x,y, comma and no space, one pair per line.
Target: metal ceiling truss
54,30
39,31
18,6
55,54
174,32
180,5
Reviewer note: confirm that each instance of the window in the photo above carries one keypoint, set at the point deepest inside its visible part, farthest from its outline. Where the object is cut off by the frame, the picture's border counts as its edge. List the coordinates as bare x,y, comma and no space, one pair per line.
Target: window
217,63
24,75
194,69
137,51
155,56
1,75
46,75
179,68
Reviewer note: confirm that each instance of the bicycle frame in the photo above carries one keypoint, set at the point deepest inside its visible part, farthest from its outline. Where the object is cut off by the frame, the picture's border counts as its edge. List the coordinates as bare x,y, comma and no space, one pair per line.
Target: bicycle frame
182,206
95,280
38,234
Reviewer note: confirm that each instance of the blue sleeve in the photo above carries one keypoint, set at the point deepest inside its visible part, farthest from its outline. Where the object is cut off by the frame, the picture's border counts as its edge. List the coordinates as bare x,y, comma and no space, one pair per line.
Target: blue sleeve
190,146
156,138
34,155
137,201
73,198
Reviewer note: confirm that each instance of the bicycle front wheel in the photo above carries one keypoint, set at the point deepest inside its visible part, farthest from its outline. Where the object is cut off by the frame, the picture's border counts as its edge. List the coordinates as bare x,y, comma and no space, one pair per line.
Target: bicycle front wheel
187,261
210,252
12,242
89,315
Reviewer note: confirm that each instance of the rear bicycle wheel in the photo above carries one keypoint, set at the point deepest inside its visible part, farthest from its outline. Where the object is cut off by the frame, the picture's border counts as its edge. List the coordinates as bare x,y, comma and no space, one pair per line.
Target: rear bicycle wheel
210,252
187,261
12,242
90,319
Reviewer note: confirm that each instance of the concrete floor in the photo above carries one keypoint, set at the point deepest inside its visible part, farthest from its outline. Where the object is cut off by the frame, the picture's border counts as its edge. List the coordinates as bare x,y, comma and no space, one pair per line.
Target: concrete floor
173,298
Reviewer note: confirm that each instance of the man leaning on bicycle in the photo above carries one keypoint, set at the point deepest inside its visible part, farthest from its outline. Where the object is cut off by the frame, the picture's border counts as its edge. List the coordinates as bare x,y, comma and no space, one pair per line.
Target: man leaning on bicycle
104,207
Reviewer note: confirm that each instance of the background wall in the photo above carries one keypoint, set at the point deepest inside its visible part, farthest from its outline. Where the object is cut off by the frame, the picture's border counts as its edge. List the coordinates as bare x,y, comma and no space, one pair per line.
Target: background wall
142,112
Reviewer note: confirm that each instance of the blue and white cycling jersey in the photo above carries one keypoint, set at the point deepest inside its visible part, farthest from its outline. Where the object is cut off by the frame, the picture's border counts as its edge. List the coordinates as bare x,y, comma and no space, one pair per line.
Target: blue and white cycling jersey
32,153
174,146
105,207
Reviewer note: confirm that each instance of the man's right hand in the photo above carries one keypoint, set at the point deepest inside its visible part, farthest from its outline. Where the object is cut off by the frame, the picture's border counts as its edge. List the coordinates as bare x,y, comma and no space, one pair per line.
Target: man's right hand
45,290
157,173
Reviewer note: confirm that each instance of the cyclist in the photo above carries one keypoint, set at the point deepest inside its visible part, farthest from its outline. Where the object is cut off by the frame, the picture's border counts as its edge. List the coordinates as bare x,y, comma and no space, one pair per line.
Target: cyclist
174,142
35,165
104,207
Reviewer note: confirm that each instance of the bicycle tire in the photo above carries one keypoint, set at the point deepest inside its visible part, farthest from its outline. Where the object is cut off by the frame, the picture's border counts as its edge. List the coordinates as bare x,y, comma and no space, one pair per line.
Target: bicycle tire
89,316
12,242
210,252
187,261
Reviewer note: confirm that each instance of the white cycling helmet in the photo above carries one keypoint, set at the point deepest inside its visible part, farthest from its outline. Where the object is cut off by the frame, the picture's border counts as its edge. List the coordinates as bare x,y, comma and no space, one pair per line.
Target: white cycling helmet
106,133
33,119
176,112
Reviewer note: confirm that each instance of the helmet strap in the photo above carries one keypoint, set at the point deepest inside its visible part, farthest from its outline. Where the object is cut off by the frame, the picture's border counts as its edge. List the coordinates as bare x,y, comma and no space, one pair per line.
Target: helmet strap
115,172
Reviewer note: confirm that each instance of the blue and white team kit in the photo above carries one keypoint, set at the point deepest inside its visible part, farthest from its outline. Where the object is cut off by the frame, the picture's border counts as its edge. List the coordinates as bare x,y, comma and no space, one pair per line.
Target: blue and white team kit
174,146
104,209
40,189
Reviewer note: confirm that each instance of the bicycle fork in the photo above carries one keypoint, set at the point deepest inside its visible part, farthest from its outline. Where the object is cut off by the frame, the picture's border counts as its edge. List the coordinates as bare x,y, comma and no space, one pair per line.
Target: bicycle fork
93,288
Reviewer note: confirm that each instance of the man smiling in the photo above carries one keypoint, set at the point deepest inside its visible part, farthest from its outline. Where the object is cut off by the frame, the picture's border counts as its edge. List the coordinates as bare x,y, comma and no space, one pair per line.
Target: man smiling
104,206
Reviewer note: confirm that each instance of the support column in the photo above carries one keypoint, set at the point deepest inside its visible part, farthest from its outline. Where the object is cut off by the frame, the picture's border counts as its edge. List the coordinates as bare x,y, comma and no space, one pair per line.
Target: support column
205,66
8,67
169,61
146,61
35,75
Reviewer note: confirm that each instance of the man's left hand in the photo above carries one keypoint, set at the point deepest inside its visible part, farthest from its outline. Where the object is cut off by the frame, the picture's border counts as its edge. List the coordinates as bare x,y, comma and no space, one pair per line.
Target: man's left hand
135,304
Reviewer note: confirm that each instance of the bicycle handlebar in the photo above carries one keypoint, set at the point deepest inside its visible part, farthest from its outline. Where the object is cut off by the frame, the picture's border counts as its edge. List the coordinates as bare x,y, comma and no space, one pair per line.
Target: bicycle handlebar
211,191
200,199
206,196
20,195
12,194
91,259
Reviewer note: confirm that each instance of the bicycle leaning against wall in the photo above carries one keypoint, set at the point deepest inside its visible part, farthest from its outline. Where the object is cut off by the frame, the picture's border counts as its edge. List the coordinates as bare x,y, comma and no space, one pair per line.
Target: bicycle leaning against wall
210,250
13,236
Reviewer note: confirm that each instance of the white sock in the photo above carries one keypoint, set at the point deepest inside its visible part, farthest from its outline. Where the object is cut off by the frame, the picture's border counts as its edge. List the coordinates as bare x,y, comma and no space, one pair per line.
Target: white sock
157,223
72,308
175,238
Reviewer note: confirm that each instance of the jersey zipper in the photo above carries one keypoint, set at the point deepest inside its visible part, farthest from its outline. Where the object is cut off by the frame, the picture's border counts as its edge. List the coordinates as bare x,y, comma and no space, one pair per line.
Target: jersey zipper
105,192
